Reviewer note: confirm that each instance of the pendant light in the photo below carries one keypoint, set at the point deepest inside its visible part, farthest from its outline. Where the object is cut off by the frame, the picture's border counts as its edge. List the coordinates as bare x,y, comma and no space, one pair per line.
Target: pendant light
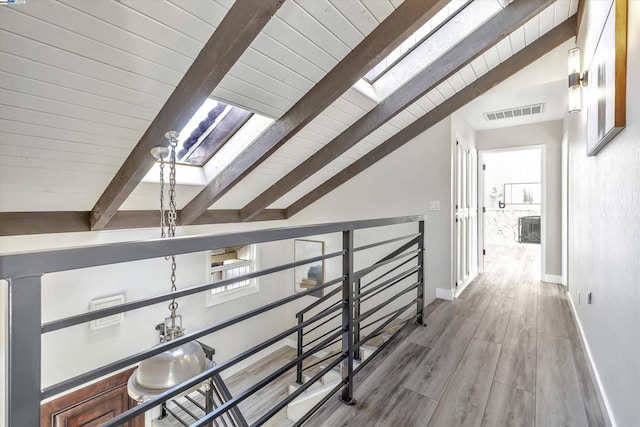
165,370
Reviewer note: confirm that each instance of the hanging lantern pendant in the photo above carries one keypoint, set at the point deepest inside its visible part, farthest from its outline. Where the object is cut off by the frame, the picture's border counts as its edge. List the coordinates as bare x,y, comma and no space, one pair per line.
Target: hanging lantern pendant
172,367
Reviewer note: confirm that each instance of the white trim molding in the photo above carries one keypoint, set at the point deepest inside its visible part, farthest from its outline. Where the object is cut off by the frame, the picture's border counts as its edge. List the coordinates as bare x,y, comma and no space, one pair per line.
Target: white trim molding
446,294
609,413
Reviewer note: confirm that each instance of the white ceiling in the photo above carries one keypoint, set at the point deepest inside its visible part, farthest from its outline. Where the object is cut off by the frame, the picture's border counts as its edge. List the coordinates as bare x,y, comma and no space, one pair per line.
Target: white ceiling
80,81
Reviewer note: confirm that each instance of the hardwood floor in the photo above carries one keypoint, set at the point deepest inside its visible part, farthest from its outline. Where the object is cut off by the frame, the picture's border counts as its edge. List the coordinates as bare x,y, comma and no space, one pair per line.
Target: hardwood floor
506,353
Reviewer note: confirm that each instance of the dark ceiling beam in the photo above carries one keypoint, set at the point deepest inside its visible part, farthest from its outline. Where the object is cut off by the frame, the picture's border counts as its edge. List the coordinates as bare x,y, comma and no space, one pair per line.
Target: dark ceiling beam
242,23
25,223
405,20
487,35
581,7
534,51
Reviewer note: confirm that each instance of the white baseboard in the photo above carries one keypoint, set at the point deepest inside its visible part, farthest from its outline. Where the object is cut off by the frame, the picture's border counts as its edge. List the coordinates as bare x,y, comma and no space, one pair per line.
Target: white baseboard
553,278
444,294
591,361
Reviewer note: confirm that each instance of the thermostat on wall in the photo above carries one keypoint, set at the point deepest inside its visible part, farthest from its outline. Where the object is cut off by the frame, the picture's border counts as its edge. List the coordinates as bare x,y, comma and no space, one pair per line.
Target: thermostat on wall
106,302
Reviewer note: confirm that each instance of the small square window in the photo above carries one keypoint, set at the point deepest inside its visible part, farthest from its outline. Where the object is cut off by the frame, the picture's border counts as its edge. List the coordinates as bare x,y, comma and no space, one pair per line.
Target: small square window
227,264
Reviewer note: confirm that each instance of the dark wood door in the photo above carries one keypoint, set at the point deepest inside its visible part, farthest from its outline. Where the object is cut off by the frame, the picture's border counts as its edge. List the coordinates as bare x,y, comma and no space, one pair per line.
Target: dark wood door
91,406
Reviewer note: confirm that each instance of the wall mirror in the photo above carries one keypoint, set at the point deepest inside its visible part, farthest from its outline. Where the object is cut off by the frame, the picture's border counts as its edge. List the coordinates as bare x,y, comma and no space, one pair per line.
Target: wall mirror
308,276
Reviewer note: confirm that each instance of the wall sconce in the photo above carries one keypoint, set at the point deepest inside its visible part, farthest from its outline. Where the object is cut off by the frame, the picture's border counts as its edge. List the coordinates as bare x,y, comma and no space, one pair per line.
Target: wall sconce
575,81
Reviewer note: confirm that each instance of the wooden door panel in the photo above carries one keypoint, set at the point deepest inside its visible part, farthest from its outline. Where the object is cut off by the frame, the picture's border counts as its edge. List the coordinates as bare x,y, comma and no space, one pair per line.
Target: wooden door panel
95,411
91,406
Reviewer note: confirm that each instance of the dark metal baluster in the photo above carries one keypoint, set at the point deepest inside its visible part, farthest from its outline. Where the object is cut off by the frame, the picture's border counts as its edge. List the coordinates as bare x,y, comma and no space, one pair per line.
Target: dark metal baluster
347,317
300,344
420,300
356,314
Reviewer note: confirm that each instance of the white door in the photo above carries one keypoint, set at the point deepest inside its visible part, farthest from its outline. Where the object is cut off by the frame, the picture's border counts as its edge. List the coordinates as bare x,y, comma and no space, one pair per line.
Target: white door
466,215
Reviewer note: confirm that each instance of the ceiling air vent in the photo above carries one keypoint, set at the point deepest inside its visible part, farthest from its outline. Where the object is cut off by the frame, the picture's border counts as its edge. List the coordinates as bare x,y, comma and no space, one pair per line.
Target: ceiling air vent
515,112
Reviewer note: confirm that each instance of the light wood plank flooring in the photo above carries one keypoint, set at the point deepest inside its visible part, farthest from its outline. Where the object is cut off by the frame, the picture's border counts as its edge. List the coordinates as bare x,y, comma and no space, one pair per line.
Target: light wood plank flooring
506,353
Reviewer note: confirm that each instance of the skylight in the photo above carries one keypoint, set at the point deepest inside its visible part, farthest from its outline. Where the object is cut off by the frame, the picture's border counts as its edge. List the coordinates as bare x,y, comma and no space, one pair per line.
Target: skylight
431,26
447,28
208,130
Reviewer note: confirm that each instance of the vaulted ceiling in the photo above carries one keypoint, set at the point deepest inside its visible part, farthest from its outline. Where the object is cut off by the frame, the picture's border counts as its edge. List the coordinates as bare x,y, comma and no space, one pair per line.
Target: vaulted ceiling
88,87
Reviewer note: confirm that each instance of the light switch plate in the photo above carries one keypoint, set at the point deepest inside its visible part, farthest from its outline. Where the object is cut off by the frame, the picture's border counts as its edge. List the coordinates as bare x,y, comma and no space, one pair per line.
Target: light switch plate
434,206
106,302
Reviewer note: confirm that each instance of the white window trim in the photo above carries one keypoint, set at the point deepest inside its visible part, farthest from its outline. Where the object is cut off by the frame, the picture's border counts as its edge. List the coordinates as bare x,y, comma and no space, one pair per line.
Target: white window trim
233,294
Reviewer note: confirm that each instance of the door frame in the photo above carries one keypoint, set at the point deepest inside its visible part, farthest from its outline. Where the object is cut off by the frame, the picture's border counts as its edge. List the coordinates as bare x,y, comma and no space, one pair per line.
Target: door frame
543,204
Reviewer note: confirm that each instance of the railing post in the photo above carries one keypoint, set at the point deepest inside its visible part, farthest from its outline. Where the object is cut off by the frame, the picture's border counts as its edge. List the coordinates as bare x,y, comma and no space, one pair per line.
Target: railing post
347,317
300,344
420,300
24,351
356,314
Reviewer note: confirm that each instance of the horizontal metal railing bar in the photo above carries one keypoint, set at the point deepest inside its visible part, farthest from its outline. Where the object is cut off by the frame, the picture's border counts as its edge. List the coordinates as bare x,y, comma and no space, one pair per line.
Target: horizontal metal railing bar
236,400
368,325
195,403
359,274
389,282
386,273
301,389
365,362
320,337
380,329
330,344
320,301
324,359
172,392
133,305
48,261
323,323
186,411
128,361
318,405
379,291
386,242
174,415
380,306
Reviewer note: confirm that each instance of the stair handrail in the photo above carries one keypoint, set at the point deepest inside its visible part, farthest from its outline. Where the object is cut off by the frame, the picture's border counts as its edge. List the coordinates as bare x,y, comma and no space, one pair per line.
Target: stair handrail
24,273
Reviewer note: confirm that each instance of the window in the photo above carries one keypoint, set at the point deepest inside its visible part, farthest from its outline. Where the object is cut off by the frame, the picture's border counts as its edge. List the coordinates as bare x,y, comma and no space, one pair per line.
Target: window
208,130
230,263
415,39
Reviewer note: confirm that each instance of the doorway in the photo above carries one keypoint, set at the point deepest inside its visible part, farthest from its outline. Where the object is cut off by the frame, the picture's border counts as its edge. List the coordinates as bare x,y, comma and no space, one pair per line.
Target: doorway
511,190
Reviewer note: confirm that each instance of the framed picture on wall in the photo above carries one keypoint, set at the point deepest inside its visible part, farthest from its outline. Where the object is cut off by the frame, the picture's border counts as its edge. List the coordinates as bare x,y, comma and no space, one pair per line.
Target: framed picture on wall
606,81
311,275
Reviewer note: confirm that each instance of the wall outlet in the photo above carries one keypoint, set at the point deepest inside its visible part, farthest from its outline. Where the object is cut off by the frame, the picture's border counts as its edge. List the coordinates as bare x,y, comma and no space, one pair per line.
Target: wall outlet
589,297
434,206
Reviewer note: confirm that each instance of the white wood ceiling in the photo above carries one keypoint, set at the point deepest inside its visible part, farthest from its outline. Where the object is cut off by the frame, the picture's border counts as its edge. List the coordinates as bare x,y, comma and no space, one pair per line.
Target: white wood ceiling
80,81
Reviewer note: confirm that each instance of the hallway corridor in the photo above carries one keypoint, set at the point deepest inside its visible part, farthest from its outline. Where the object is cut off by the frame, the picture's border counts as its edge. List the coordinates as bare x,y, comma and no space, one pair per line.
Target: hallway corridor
507,352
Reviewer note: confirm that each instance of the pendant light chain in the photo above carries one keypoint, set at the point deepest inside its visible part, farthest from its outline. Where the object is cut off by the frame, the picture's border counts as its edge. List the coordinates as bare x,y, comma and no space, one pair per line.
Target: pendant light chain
162,210
172,214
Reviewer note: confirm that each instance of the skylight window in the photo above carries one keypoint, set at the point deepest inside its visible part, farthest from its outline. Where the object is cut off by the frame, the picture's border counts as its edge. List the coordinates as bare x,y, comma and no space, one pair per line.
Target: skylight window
208,130
423,33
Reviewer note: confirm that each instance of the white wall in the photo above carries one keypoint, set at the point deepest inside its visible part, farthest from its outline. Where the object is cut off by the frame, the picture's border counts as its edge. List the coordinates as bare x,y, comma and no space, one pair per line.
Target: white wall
403,183
604,234
548,134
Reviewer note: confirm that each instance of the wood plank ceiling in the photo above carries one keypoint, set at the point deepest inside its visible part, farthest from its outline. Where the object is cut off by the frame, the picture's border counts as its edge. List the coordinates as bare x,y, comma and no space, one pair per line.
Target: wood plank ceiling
81,82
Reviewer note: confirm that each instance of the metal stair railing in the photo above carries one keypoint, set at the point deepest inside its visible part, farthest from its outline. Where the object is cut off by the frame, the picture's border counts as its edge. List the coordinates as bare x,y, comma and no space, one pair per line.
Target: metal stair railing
24,275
